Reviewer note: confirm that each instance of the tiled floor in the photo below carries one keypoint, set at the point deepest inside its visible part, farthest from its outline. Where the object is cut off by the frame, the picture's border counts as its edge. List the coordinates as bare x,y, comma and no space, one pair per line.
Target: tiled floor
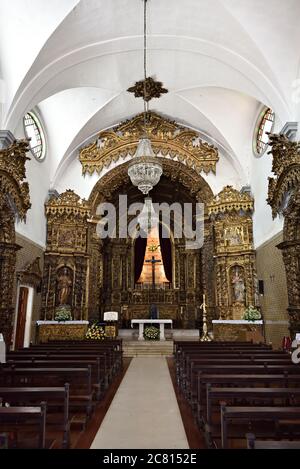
144,412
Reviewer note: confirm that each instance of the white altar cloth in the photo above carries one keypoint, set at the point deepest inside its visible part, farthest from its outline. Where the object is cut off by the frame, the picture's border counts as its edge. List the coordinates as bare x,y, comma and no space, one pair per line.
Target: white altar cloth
39,323
235,321
142,322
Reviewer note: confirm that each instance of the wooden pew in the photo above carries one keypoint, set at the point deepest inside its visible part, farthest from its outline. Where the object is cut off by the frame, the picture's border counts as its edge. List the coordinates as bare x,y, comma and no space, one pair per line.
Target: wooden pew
189,387
185,360
239,380
271,396
99,374
197,363
253,443
112,361
52,395
106,367
18,418
232,415
80,380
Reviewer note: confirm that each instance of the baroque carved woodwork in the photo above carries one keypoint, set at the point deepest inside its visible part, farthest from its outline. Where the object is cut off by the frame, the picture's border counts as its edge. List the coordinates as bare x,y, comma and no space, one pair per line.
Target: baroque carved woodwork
230,213
31,274
112,284
286,167
284,198
168,139
14,203
48,332
66,265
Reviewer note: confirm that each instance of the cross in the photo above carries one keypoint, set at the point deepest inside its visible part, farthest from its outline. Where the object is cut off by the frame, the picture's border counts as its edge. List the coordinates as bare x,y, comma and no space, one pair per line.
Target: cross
153,262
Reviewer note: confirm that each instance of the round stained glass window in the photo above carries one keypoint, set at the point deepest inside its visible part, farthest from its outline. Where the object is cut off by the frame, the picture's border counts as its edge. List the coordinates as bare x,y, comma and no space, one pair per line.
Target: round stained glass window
264,126
34,131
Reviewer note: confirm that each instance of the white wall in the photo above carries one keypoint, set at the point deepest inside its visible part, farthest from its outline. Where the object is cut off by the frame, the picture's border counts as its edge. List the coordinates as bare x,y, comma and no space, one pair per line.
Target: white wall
38,178
264,227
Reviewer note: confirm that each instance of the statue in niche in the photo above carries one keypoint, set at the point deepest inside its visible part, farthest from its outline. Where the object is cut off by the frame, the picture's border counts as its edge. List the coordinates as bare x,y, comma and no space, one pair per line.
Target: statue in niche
234,236
64,287
238,284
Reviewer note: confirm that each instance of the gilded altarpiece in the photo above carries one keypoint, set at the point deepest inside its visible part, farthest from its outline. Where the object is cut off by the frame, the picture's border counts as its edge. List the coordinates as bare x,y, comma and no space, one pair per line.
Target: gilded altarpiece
284,199
235,271
14,203
113,279
66,264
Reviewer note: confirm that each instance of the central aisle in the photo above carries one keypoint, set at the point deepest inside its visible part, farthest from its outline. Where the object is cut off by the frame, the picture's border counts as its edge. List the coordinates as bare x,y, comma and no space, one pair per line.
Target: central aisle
144,412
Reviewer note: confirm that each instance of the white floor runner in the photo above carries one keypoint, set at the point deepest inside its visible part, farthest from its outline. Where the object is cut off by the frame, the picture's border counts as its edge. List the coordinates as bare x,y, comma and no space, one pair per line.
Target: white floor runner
144,412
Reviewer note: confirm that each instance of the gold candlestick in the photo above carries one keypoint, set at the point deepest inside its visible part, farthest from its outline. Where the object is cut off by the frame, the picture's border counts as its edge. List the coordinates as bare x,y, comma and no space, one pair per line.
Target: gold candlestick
204,337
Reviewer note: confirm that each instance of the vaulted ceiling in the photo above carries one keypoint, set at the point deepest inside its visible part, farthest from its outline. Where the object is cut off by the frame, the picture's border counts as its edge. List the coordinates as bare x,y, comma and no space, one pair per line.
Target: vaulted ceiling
221,60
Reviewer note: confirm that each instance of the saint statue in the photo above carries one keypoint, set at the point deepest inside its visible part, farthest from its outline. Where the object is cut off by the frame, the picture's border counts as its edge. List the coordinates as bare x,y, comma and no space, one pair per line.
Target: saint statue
64,287
153,312
238,287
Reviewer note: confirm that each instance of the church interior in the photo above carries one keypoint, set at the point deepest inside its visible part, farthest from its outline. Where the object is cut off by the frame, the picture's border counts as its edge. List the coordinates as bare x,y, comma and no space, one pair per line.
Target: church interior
149,224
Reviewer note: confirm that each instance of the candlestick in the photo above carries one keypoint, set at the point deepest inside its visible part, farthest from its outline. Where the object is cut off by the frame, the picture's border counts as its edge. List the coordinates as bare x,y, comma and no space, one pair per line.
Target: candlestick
204,337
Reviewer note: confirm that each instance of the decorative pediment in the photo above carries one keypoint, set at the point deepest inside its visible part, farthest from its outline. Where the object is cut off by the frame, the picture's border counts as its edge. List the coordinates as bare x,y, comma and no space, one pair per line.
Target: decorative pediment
231,200
31,274
286,167
68,203
12,175
168,139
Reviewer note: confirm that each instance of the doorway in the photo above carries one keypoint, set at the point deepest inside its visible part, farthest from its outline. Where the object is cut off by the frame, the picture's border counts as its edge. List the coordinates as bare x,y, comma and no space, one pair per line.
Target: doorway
24,315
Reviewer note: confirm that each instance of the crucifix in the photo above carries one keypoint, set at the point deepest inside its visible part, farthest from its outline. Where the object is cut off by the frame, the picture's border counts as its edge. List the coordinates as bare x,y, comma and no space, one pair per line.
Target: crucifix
153,263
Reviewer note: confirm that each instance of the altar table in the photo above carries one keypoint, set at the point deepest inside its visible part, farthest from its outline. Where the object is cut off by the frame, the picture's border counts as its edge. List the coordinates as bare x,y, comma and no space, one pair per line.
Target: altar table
142,322
238,330
61,330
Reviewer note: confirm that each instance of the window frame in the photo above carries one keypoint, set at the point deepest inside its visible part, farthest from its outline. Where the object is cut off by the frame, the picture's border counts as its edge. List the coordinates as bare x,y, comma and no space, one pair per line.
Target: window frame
38,125
263,117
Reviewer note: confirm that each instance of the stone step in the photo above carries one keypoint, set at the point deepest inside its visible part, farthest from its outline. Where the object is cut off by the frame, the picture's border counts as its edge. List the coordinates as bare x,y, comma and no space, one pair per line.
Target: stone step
146,348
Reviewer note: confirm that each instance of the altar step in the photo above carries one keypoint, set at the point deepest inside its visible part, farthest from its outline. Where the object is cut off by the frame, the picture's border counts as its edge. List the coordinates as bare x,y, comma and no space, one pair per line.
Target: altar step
147,348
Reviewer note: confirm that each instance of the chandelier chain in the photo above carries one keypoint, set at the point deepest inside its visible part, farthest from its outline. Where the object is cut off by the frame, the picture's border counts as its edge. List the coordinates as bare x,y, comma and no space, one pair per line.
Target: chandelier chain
145,61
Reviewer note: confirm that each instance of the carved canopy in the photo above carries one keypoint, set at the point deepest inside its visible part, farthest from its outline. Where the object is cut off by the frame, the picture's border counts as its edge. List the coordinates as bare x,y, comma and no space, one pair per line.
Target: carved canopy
66,204
231,200
286,167
31,274
67,217
167,139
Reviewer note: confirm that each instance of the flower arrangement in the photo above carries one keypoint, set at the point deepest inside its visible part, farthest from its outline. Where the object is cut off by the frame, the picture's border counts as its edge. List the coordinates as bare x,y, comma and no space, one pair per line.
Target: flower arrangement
63,313
95,332
151,333
251,314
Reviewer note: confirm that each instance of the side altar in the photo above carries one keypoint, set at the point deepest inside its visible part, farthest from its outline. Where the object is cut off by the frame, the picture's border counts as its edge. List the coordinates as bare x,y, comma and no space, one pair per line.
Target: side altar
61,330
238,330
161,322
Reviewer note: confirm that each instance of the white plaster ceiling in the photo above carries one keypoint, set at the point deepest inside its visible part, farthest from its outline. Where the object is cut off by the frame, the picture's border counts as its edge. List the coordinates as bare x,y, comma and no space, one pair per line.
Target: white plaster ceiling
221,60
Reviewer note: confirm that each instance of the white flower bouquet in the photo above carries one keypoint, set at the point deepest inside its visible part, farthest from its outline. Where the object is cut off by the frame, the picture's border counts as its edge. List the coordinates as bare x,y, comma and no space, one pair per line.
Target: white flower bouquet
251,314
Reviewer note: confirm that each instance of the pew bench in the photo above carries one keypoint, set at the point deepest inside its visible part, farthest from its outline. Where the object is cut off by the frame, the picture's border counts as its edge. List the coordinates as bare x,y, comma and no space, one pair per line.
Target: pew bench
25,419
80,380
231,416
283,397
238,381
53,397
253,443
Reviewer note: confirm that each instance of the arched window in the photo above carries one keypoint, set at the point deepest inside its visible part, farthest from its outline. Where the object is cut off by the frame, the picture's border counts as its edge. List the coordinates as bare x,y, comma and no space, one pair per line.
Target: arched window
33,130
265,124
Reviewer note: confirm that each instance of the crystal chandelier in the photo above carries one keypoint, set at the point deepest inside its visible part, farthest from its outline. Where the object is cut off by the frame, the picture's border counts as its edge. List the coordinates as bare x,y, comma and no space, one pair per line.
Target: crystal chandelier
145,169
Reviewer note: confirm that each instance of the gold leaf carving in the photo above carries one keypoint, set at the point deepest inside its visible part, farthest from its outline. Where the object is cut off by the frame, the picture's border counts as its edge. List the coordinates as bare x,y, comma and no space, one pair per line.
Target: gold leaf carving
167,139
